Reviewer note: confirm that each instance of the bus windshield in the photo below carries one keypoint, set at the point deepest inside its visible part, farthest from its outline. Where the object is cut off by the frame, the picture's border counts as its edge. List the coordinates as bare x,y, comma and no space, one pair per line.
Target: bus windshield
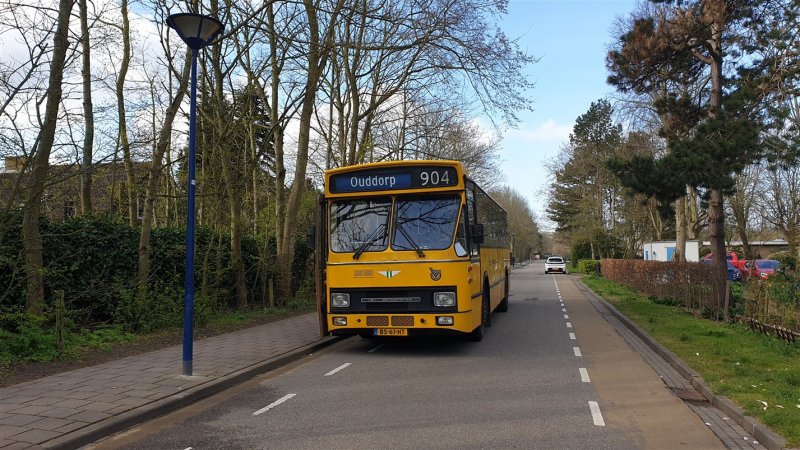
419,224
360,225
424,223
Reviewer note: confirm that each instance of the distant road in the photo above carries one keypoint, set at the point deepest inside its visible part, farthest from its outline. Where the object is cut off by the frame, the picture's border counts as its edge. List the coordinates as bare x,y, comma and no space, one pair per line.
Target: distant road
545,376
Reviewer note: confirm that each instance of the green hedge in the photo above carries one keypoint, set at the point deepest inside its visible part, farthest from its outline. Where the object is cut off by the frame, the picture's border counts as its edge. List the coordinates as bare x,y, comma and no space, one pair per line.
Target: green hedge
94,259
589,266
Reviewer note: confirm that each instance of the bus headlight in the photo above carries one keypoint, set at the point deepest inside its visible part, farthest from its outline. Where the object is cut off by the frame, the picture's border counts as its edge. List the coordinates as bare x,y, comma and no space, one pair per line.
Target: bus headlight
444,299
340,300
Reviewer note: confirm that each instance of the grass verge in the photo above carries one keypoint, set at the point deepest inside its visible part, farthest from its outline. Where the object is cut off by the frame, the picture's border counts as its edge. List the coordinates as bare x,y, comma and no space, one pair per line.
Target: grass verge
760,373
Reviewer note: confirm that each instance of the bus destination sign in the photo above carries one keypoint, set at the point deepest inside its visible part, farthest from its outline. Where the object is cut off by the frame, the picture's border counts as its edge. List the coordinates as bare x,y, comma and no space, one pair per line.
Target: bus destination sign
413,177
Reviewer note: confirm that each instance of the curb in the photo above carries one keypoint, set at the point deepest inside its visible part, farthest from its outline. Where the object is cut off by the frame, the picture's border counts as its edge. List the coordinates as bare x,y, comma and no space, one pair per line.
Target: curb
759,431
98,430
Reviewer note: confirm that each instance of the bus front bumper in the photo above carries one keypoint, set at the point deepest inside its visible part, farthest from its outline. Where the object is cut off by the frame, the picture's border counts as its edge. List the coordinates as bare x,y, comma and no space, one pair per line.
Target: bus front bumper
402,324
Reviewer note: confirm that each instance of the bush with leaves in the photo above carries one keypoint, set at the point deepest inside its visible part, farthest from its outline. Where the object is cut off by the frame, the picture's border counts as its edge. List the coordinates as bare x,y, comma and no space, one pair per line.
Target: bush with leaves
788,261
589,266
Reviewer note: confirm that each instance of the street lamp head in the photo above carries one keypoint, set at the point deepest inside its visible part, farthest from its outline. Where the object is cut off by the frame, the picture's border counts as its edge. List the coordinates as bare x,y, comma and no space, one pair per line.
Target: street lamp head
196,30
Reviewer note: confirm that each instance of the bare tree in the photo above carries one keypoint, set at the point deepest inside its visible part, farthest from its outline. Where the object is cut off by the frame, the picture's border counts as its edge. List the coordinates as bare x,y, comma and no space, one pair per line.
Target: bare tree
742,204
34,260
782,205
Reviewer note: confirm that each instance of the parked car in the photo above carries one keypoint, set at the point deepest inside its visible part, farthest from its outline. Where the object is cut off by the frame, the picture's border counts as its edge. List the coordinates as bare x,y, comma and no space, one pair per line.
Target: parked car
761,268
555,264
732,258
734,274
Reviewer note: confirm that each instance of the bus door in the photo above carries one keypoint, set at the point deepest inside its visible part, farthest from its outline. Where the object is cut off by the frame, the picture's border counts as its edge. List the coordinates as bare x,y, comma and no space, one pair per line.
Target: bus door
475,270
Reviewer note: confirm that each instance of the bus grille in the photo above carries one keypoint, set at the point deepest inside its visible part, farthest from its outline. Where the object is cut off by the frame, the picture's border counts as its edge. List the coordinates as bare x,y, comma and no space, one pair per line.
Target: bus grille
402,321
377,321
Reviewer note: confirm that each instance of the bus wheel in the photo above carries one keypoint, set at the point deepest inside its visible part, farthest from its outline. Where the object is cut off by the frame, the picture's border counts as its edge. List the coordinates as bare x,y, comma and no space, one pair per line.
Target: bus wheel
503,306
477,334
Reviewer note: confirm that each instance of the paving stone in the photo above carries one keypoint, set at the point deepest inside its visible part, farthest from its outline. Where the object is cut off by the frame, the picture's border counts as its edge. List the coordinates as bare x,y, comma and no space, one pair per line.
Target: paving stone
10,407
7,431
72,426
72,403
99,406
20,446
31,410
36,436
79,395
60,413
20,420
89,416
49,423
106,397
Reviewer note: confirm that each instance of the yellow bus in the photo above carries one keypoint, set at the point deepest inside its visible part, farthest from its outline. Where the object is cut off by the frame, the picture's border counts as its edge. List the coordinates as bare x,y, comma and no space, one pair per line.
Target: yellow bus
409,248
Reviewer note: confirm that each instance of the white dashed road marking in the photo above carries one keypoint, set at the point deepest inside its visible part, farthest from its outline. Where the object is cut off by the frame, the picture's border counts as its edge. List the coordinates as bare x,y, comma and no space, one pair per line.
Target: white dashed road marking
572,336
343,366
597,416
274,404
584,375
375,349
569,325
577,351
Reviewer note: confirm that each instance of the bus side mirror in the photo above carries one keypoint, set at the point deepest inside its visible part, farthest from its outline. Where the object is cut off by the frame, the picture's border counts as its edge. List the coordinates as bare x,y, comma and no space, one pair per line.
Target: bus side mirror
311,236
477,233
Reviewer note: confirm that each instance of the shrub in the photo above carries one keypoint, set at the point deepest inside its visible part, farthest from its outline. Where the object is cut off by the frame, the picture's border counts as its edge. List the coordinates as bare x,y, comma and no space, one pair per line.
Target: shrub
787,260
589,266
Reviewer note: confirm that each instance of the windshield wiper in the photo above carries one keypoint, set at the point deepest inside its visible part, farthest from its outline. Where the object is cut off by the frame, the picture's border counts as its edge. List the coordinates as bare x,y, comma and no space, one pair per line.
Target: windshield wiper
372,238
411,241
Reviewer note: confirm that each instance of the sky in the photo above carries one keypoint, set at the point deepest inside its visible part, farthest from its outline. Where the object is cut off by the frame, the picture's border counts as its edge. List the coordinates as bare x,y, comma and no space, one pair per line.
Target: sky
571,38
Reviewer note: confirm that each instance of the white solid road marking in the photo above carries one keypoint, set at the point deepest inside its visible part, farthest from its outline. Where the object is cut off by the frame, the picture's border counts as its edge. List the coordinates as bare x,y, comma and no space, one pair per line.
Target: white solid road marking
577,351
274,404
343,366
375,349
597,416
572,336
584,375
569,325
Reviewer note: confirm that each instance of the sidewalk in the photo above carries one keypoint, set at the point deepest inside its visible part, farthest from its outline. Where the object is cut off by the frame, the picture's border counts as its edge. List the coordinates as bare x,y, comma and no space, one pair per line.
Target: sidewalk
71,409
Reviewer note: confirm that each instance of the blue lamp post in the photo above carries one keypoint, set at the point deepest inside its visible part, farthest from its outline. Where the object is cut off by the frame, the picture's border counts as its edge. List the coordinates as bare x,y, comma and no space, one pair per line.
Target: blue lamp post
197,31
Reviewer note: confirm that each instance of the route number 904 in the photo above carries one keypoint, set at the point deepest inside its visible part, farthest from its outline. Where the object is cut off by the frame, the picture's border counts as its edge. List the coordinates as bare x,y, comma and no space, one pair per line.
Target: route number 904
434,178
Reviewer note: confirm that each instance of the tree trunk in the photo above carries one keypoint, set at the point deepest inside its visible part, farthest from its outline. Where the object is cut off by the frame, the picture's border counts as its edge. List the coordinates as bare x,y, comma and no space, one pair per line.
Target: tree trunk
34,259
680,230
88,113
692,216
153,176
318,54
716,210
132,186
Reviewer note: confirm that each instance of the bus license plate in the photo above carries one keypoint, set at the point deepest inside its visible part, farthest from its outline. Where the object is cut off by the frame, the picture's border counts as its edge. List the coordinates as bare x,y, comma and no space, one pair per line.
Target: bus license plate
391,332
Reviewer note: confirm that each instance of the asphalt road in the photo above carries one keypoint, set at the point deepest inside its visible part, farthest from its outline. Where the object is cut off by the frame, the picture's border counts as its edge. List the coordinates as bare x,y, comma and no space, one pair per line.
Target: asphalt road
550,373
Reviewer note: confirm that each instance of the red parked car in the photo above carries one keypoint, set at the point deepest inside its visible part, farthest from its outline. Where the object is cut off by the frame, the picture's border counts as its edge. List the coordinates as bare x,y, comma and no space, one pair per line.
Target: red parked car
761,268
732,258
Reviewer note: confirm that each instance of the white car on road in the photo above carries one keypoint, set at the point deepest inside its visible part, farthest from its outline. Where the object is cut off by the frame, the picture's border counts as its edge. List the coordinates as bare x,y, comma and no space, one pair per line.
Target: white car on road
555,264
